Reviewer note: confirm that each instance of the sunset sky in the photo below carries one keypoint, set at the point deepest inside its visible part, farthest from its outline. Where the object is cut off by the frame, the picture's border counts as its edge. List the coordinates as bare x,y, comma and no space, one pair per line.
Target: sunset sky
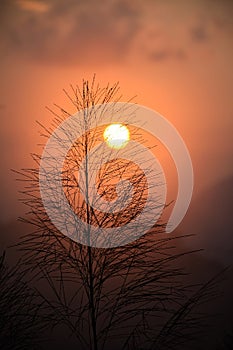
175,55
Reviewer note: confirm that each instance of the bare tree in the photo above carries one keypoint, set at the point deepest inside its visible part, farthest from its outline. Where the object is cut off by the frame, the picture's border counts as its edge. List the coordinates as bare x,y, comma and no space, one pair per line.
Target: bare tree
21,319
130,297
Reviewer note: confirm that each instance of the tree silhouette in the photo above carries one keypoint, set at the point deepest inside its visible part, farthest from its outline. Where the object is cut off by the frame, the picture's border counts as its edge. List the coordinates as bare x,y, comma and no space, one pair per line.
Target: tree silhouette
21,321
128,297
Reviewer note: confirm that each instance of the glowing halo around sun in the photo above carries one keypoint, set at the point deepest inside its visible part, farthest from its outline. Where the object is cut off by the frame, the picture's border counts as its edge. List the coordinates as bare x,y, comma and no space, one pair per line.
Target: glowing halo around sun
114,117
116,136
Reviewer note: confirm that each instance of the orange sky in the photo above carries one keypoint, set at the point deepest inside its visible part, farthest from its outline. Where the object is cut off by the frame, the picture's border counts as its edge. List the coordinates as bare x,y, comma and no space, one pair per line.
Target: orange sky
175,55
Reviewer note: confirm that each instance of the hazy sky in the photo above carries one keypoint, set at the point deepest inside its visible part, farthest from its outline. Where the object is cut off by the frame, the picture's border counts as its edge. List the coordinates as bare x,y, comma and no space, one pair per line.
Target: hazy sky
175,55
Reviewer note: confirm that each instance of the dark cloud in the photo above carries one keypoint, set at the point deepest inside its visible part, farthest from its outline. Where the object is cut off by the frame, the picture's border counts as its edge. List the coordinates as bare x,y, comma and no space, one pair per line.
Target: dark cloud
69,31
210,217
199,33
182,27
88,31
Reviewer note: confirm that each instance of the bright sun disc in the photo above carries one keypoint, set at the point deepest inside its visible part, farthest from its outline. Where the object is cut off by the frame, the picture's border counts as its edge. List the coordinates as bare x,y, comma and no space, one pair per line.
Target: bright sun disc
116,135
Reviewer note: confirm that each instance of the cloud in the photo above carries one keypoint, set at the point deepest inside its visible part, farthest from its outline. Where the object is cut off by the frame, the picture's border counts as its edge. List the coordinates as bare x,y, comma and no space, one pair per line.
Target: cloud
210,218
70,31
107,31
199,33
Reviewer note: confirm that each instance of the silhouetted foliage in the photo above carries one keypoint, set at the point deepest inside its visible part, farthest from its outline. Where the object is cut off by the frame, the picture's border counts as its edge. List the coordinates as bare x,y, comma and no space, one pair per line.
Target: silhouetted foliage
21,324
227,342
129,297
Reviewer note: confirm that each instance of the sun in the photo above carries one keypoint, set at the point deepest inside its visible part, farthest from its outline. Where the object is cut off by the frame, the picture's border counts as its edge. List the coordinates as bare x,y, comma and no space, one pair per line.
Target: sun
116,135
